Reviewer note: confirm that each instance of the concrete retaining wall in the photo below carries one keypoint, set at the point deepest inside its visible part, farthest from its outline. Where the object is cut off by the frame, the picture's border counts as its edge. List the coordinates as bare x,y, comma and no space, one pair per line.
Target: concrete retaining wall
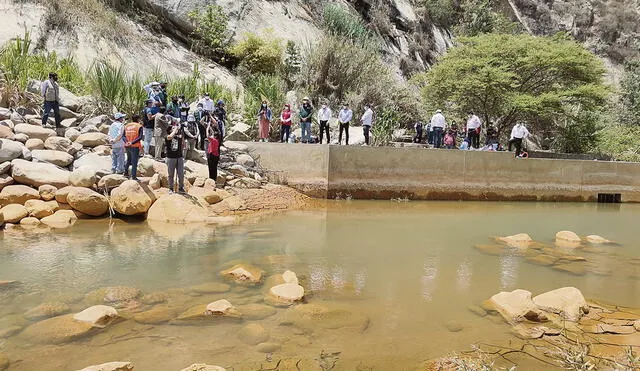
427,174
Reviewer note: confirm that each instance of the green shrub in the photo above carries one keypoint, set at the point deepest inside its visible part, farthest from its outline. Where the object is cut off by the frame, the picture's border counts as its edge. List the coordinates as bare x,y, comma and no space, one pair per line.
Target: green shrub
194,85
620,142
211,35
630,94
339,21
258,55
292,64
387,119
116,88
479,17
443,13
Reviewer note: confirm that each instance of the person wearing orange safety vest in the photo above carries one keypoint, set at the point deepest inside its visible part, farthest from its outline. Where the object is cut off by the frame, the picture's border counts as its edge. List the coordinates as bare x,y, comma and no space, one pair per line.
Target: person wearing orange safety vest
133,142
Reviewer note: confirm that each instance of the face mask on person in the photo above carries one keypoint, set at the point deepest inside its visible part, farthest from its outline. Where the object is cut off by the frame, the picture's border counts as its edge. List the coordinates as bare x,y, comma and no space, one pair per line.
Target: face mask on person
264,105
199,108
344,108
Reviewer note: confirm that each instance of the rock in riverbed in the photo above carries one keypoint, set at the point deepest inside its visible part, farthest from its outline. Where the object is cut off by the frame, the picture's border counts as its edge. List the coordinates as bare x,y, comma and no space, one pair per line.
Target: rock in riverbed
97,315
203,367
47,310
110,366
516,306
517,240
243,273
568,302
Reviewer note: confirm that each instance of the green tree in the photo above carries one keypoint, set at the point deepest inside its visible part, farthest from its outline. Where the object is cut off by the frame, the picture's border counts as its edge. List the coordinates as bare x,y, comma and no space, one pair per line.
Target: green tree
548,82
478,17
258,55
210,35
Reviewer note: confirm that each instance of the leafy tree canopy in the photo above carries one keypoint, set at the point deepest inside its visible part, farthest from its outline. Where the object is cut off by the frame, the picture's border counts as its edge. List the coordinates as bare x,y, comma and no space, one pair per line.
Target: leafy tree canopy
543,81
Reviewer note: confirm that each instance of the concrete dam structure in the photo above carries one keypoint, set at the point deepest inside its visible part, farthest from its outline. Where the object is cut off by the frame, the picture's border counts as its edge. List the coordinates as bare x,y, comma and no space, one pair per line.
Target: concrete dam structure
430,174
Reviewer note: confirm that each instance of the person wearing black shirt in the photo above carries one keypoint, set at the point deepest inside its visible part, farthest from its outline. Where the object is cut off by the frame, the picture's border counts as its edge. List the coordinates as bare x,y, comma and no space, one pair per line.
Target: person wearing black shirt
175,159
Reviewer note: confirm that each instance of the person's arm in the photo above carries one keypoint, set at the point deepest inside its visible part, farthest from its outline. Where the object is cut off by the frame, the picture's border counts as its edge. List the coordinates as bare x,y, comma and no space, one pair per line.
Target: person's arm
173,133
147,88
120,135
139,137
526,132
43,88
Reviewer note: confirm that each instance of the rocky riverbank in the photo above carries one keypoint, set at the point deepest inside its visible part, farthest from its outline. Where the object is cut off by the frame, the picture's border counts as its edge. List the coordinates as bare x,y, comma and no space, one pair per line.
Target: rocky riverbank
49,180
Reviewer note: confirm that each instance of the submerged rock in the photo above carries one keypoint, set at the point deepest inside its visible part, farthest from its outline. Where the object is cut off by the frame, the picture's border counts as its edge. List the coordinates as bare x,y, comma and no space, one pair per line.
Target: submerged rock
4,362
97,315
253,334
47,310
56,330
516,306
155,315
243,273
210,288
596,240
118,294
517,240
568,302
268,347
575,268
256,311
203,367
110,366
542,259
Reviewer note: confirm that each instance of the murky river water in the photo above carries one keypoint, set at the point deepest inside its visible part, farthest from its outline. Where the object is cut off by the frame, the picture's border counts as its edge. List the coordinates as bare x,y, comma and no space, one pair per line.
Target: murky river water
397,279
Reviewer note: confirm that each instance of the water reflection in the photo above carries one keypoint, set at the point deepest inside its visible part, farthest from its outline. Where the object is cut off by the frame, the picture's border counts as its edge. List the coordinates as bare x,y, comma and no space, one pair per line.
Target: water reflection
509,265
428,279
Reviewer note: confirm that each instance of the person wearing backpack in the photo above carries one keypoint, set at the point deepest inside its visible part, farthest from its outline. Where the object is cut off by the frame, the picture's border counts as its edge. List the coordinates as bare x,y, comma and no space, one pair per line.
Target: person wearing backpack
418,128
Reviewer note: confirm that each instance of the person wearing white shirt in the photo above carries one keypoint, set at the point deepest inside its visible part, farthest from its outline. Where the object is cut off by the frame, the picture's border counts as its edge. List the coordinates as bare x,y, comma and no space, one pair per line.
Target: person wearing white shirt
207,103
344,118
324,115
438,124
367,122
473,130
518,134
154,93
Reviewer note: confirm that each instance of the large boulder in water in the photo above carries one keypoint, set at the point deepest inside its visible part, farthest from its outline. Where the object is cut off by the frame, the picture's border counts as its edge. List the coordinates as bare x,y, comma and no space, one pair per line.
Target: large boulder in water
110,366
17,194
285,294
567,302
9,150
516,306
57,158
243,273
36,174
132,198
88,201
175,208
568,238
46,310
60,219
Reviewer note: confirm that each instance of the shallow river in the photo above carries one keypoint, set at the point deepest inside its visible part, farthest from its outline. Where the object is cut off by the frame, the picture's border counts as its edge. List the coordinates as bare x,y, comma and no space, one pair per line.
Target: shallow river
397,278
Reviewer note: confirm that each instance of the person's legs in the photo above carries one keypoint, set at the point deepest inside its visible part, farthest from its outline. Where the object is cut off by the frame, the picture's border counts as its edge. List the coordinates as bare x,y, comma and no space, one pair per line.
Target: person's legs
340,133
328,135
323,127
159,144
45,112
147,135
56,114
518,144
287,130
180,169
346,134
437,137
120,161
171,170
303,134
128,162
281,133
134,152
201,141
476,140
365,130
212,168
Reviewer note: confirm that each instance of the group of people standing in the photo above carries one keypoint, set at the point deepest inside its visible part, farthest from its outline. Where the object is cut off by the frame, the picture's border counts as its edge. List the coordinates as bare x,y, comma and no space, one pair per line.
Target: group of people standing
440,134
305,118
174,131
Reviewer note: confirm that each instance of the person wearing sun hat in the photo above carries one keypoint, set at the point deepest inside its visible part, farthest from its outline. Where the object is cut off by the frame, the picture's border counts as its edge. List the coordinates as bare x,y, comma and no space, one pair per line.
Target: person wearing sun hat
116,132
305,115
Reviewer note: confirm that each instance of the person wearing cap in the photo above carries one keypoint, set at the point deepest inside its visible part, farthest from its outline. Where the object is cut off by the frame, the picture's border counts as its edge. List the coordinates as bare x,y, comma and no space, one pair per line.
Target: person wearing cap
148,120
305,115
438,124
51,93
367,122
207,103
154,93
344,118
324,115
160,127
133,136
285,123
192,133
116,135
221,116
